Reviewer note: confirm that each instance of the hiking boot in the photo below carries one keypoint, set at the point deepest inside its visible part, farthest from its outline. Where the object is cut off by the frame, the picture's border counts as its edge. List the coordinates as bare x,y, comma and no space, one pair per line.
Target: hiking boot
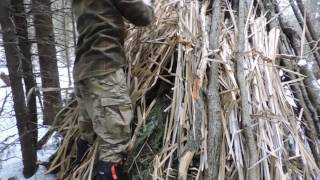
82,147
111,171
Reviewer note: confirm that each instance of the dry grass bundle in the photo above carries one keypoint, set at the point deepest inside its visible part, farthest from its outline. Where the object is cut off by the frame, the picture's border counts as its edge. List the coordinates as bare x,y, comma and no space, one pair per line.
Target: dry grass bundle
176,46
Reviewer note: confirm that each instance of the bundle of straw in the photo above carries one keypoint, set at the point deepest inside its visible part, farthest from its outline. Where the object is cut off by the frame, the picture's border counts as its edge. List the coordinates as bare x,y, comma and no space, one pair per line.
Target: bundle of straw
176,46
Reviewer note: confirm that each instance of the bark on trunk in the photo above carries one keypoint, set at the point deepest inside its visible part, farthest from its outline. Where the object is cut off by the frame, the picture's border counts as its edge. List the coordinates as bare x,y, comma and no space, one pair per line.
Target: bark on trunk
25,47
311,25
308,30
312,130
47,58
313,9
253,171
215,129
310,81
309,117
66,43
29,156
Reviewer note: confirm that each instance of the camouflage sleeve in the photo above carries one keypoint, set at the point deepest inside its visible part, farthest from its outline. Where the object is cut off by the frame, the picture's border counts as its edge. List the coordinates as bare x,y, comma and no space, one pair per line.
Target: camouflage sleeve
136,11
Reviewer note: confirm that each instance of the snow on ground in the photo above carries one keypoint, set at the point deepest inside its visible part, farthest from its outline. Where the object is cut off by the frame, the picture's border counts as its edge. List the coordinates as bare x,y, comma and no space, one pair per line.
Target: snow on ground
10,153
11,162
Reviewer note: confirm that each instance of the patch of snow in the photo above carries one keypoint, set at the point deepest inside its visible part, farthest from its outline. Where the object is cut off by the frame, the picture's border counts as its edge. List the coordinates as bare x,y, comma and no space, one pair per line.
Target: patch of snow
3,70
15,170
316,83
281,73
289,96
11,159
302,62
10,149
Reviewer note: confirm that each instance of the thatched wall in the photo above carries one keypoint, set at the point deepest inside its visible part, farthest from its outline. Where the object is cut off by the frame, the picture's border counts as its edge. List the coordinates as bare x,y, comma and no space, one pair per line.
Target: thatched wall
169,73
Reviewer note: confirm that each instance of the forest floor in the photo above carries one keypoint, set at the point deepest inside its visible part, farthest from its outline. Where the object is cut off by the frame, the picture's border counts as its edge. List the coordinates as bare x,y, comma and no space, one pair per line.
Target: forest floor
10,153
11,162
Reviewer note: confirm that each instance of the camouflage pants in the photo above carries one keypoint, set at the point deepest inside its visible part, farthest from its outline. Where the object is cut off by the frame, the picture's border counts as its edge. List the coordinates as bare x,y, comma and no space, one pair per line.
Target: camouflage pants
105,113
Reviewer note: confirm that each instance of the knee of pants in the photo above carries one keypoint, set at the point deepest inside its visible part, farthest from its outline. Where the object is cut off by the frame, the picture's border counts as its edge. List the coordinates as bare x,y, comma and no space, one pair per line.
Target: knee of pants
107,103
86,130
113,124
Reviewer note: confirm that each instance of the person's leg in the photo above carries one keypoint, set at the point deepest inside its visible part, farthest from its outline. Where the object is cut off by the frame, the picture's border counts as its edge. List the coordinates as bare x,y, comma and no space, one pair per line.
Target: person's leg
87,134
85,125
111,113
109,106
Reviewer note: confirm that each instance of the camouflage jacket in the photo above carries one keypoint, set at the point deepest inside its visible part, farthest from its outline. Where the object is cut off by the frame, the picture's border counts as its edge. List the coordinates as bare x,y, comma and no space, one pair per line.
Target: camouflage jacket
101,34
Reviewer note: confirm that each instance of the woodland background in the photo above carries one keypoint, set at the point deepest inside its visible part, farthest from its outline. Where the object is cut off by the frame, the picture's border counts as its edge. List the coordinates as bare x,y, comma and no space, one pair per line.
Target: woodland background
37,45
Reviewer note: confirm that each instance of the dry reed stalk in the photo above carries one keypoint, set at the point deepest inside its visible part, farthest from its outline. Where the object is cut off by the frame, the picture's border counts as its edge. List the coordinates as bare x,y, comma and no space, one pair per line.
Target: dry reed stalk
177,45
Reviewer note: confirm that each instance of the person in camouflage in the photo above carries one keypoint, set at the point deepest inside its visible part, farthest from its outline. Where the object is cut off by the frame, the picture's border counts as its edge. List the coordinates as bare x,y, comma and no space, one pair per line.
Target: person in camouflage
99,78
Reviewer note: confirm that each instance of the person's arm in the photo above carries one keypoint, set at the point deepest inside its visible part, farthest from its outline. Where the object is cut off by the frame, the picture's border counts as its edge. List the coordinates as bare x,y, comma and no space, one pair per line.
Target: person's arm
136,11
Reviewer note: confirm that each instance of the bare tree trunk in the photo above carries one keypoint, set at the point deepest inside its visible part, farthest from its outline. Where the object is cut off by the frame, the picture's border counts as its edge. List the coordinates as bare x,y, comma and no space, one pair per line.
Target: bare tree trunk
215,129
47,58
313,10
29,154
308,33
312,129
310,116
66,42
310,80
235,4
253,171
25,47
310,24
302,103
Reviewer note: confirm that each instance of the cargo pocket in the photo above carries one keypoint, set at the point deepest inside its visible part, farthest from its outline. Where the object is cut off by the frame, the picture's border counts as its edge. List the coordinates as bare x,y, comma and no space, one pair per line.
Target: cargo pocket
113,86
113,126
126,113
113,101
